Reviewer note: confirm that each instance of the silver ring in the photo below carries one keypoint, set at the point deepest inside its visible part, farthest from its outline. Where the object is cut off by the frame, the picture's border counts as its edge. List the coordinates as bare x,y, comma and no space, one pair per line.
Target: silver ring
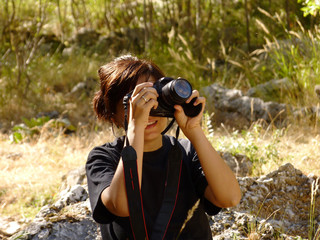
144,98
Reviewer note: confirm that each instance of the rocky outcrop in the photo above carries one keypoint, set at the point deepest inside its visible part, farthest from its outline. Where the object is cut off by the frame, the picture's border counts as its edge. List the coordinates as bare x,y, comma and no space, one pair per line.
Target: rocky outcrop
275,205
271,205
272,90
235,109
240,164
232,108
69,218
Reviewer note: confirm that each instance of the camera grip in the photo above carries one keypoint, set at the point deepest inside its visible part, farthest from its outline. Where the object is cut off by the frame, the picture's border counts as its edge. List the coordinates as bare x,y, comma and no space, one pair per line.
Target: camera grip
190,110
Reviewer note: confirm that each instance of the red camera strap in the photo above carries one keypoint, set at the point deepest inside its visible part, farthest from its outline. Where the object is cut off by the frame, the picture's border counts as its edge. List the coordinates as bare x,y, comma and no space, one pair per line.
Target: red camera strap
134,196
137,220
171,192
135,203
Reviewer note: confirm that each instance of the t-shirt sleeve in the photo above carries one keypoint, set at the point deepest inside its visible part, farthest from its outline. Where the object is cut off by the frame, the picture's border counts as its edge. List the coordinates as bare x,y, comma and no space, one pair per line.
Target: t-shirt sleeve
101,165
200,180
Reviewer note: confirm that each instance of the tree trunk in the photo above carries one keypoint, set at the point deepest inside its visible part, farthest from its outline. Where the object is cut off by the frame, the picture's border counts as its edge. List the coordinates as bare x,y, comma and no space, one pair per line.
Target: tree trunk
247,24
86,14
150,22
287,7
74,14
106,20
188,12
60,21
146,30
198,30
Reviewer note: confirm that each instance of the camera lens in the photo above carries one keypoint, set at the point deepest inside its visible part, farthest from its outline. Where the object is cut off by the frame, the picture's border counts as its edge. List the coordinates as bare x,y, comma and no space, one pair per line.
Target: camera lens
176,92
182,88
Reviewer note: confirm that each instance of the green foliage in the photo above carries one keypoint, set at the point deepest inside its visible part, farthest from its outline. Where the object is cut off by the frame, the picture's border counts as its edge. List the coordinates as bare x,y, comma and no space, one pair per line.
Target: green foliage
296,57
310,7
28,129
251,143
34,126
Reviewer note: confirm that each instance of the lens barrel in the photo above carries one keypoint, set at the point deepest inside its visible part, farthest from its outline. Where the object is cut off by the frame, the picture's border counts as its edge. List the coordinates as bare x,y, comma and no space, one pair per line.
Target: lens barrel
176,92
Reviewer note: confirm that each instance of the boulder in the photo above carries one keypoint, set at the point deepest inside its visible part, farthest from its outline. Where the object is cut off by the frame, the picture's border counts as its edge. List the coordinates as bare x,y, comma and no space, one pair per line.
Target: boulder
8,227
74,177
240,164
232,108
281,200
85,37
69,218
273,90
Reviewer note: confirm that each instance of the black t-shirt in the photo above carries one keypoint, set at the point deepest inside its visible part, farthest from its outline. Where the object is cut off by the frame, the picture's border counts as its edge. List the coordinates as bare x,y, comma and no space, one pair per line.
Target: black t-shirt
101,165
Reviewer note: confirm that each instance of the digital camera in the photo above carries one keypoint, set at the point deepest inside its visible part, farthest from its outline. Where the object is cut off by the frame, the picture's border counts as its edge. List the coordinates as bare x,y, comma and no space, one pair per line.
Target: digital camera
174,92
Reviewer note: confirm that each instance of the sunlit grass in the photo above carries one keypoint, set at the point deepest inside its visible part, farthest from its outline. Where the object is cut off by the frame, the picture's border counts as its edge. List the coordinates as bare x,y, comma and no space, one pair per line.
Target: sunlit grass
270,149
31,171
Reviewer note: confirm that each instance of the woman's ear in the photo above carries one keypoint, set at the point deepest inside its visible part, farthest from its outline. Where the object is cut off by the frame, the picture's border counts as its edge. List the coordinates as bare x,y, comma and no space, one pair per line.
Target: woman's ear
113,121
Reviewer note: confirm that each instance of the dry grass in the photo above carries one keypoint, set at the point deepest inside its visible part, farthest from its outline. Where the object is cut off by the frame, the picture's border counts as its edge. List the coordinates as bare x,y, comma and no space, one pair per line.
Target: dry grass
298,145
31,171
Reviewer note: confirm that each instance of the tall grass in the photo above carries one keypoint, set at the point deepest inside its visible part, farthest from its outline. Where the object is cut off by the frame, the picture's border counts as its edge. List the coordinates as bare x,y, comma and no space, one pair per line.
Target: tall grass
53,77
295,56
49,156
269,148
312,224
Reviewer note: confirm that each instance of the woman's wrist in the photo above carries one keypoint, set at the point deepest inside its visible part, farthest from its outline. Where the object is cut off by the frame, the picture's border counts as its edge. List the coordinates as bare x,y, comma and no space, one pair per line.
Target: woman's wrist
194,133
135,127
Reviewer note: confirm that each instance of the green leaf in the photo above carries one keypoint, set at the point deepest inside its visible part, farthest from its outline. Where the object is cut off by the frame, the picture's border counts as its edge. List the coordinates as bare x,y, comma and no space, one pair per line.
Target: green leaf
17,137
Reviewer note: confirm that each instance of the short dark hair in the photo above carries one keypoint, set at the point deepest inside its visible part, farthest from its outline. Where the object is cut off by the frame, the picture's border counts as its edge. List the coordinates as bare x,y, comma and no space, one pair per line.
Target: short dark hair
117,78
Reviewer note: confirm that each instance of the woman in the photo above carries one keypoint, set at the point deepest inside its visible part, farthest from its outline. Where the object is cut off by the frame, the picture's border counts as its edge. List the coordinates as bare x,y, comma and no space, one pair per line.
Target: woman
204,176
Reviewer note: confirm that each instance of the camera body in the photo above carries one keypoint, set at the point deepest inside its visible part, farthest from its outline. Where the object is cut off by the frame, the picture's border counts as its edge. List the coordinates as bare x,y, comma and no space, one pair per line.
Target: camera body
174,92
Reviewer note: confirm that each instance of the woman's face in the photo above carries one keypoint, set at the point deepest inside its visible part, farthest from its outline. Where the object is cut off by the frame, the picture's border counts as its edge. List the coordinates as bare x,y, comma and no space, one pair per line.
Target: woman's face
155,124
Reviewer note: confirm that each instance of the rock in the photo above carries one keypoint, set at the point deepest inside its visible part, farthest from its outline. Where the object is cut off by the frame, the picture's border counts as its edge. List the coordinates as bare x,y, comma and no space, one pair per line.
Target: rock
8,227
275,206
74,177
68,218
83,89
239,164
71,195
86,37
233,109
51,114
311,113
236,110
50,44
68,51
282,198
236,225
272,90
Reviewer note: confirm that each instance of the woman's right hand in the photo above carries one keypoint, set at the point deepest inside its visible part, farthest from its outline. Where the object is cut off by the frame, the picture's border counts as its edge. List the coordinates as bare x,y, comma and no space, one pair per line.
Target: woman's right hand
143,99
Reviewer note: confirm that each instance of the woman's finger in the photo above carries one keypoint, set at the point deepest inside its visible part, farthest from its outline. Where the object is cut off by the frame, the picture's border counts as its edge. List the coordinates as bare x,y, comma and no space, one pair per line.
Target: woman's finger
140,87
194,94
147,95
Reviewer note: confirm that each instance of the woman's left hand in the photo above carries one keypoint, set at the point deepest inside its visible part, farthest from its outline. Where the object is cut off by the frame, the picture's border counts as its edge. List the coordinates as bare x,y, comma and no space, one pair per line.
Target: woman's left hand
190,124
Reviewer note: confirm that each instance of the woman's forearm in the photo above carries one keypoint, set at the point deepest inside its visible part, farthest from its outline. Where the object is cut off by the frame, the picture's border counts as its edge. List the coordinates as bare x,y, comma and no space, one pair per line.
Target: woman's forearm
224,190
